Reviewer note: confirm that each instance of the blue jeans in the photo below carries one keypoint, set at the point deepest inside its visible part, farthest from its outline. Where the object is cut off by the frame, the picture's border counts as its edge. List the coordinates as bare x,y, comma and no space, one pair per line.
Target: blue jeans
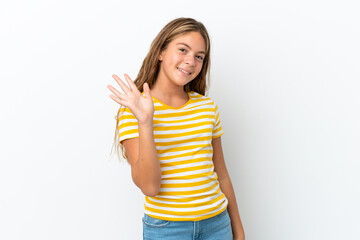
217,227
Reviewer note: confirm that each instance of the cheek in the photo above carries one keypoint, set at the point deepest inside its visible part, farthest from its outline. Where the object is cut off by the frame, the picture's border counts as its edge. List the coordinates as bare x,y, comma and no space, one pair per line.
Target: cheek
172,62
178,59
199,67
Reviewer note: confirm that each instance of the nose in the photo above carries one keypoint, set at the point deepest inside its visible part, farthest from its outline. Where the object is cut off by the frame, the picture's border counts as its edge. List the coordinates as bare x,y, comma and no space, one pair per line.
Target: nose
190,60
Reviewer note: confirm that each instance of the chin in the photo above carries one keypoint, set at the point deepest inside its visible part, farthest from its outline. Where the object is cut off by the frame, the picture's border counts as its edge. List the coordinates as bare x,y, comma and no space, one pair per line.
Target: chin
182,83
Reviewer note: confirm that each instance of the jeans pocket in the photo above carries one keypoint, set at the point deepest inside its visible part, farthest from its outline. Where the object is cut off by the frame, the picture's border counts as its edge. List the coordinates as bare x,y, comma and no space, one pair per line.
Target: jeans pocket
154,222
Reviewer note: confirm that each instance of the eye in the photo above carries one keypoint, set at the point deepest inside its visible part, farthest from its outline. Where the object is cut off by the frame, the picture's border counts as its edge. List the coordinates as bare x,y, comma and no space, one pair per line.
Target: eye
182,50
200,58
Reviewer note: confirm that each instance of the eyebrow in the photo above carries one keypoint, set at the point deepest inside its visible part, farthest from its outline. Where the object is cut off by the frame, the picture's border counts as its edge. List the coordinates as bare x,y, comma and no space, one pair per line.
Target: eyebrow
190,47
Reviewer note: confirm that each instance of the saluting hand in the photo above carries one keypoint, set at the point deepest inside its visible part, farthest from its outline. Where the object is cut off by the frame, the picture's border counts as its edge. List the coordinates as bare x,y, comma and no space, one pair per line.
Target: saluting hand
142,107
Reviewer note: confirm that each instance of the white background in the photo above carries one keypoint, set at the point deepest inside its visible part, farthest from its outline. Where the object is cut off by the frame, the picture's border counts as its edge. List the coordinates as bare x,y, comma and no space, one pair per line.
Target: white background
285,75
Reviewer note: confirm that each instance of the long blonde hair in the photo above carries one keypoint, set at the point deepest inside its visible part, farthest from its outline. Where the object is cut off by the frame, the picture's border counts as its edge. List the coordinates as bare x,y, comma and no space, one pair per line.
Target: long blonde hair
151,64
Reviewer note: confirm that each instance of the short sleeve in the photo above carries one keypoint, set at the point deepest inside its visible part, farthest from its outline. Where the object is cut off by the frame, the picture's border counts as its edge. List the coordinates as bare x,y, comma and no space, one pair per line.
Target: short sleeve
128,125
217,130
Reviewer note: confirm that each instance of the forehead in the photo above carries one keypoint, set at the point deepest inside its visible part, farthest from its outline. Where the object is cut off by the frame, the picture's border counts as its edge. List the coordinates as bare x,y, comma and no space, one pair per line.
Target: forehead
193,39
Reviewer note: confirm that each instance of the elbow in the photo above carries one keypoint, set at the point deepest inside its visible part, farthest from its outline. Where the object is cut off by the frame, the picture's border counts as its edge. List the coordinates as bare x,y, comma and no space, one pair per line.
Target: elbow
151,191
148,188
149,184
150,194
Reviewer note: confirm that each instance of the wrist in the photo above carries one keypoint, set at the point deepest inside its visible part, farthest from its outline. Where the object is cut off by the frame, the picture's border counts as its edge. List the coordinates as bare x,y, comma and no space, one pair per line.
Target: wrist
146,124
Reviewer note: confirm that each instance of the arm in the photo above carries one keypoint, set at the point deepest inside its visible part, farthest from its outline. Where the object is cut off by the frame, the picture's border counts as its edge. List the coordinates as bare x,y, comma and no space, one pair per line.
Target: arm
227,188
141,152
145,167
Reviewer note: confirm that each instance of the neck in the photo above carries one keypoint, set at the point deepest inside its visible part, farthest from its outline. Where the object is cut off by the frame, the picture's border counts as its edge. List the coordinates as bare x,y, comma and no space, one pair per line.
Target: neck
171,95
164,89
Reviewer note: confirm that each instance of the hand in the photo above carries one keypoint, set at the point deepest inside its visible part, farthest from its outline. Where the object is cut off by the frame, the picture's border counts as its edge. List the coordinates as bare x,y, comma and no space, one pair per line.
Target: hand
142,107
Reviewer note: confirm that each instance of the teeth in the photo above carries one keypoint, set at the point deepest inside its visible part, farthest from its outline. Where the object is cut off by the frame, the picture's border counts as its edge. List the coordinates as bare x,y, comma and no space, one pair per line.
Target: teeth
183,71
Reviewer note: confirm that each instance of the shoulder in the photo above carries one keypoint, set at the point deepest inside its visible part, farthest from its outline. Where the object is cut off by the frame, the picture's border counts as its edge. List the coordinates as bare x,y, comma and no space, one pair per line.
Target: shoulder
125,114
204,101
195,96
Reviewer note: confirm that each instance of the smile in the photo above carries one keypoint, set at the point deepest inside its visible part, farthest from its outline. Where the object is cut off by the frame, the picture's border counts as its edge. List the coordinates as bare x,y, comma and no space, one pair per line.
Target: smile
183,71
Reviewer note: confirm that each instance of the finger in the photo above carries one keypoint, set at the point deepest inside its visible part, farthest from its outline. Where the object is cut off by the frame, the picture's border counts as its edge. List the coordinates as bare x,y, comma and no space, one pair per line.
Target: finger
123,86
131,83
121,102
116,92
147,90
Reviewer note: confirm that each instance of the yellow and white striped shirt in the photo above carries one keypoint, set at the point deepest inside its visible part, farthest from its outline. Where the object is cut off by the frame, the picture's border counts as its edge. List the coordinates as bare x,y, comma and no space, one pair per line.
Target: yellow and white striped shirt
189,188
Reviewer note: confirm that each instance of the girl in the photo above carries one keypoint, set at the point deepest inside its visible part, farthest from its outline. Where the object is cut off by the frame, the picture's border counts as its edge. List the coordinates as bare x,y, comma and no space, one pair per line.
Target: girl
170,135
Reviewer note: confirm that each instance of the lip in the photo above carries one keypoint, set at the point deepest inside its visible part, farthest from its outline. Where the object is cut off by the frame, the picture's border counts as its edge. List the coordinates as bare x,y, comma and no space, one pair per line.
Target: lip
188,72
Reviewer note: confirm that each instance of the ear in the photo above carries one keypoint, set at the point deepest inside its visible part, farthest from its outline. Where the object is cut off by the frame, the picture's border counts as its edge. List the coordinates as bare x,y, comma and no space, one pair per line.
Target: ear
161,56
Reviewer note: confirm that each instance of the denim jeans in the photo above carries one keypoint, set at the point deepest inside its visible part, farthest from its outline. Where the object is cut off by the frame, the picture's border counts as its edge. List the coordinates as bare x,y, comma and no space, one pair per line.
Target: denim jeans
217,227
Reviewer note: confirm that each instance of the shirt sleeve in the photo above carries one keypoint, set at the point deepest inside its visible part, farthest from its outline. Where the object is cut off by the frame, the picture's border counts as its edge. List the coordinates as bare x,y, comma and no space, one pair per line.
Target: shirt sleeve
128,125
217,130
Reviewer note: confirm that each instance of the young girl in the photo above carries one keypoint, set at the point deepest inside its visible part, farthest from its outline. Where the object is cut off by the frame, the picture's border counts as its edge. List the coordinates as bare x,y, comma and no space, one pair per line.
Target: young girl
170,135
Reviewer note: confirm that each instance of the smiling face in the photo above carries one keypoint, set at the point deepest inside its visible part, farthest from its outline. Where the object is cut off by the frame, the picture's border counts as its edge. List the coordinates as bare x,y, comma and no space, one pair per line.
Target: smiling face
182,60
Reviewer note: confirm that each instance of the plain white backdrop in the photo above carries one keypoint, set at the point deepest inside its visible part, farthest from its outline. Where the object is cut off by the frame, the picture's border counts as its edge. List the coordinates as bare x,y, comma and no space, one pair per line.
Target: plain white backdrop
285,75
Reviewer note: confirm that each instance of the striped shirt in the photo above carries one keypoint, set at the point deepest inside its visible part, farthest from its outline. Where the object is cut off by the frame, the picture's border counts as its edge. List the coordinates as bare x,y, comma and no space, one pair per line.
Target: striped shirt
189,189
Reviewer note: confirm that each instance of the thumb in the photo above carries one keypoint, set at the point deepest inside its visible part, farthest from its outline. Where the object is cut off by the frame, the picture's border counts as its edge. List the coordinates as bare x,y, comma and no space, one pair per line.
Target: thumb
147,90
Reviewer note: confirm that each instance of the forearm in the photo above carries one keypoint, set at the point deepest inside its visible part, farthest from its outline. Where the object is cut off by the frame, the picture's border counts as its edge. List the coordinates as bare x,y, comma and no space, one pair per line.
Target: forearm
147,165
227,189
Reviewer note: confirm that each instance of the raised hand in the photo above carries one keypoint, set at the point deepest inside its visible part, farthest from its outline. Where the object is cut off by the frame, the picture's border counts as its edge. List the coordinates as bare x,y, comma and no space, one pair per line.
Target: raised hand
142,107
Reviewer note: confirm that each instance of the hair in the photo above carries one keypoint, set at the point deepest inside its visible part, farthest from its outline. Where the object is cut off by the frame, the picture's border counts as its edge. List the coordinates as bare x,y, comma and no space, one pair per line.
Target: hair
150,67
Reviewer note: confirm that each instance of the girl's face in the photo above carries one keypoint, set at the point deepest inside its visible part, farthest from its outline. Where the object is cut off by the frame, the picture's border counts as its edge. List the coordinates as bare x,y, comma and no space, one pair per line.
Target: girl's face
182,60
